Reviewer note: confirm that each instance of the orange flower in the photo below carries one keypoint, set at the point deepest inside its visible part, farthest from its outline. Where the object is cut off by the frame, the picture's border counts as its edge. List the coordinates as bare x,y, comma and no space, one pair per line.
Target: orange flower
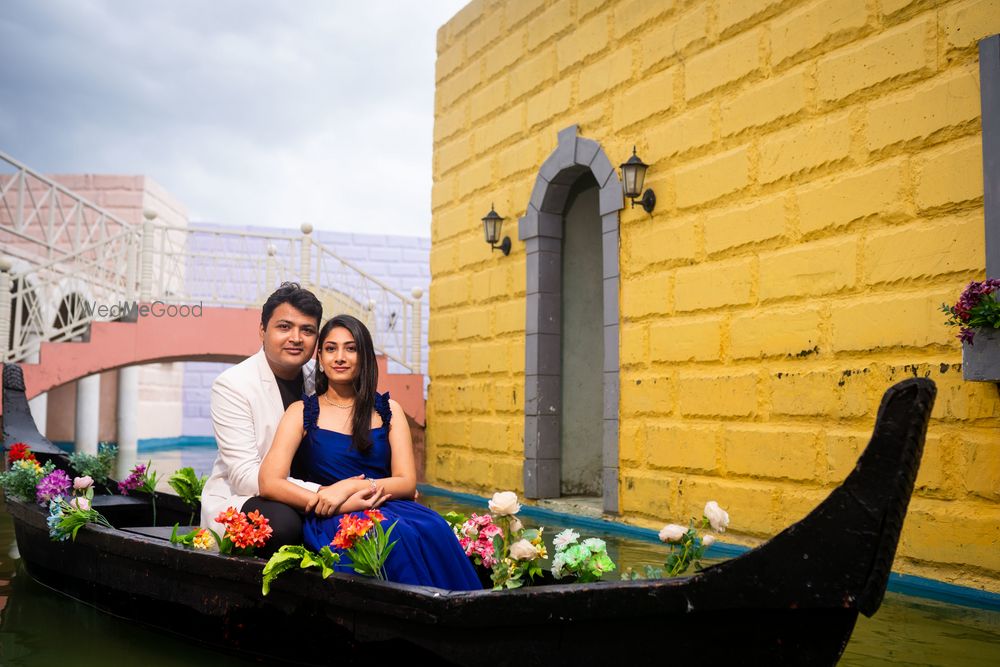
351,528
245,531
225,518
375,515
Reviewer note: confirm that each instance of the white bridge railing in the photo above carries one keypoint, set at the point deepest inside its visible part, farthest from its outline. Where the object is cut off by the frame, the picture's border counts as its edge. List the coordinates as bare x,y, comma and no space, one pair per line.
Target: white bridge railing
63,256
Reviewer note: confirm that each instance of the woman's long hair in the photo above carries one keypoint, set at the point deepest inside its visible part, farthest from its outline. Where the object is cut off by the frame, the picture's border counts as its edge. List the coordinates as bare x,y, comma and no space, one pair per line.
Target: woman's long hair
365,382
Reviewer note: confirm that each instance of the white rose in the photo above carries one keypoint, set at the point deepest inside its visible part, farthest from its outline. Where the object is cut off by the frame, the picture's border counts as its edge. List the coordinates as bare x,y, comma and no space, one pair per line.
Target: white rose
523,550
672,533
515,525
708,540
718,517
504,503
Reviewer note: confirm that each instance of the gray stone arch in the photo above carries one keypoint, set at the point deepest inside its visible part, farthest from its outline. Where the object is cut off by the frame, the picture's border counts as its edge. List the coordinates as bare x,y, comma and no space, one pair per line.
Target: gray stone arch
541,229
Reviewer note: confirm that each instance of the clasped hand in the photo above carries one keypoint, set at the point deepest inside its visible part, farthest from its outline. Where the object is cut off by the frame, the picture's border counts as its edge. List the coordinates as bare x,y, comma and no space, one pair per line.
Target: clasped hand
347,495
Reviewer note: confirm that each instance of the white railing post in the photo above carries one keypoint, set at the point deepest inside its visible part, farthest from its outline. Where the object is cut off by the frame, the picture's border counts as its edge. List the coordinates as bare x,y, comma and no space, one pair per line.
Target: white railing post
418,316
146,274
304,278
269,271
5,267
131,268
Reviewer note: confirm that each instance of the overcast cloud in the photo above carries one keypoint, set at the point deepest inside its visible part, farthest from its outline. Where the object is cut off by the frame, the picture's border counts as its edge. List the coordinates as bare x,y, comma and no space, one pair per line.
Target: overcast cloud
250,113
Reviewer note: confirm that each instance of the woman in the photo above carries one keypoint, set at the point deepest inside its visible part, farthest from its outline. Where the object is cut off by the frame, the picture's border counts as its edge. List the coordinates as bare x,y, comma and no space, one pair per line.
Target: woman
357,443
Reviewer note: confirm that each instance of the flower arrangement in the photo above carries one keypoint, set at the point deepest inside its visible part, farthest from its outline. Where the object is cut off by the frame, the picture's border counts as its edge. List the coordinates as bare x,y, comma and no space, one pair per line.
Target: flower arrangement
500,542
54,484
21,480
67,518
142,478
366,542
243,531
588,560
188,487
290,555
977,308
97,467
687,546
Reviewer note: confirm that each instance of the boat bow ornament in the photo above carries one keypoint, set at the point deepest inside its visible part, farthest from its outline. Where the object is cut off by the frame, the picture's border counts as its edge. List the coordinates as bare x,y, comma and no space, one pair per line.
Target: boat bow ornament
67,262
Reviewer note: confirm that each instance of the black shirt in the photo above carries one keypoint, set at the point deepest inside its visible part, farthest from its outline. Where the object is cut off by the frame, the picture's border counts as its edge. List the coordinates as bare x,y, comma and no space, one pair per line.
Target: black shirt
291,391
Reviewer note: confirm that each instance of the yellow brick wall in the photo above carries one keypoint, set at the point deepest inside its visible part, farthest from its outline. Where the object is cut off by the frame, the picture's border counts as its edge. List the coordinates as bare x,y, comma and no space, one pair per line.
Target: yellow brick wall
818,174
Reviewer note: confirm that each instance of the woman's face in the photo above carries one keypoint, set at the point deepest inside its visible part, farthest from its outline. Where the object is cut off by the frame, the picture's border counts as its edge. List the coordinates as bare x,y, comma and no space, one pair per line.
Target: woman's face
338,355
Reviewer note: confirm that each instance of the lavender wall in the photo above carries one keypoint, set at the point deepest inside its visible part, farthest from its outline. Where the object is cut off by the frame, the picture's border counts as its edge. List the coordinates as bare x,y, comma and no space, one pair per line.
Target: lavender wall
402,262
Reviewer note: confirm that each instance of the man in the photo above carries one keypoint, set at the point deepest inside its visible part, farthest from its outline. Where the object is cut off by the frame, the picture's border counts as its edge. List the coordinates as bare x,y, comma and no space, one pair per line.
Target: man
248,401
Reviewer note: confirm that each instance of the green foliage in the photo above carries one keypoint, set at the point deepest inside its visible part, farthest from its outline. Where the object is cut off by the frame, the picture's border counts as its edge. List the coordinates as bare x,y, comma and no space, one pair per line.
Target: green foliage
369,553
290,555
188,487
20,481
455,520
98,467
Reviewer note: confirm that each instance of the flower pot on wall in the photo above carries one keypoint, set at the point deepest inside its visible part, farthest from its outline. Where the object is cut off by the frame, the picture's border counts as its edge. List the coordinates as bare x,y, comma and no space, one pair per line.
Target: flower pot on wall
981,358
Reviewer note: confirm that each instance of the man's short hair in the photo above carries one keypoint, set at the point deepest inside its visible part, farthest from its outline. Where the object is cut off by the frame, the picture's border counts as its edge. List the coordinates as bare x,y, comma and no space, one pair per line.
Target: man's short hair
296,296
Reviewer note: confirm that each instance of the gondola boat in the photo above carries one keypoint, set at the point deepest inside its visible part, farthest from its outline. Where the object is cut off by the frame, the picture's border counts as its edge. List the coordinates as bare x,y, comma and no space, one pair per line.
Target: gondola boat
791,600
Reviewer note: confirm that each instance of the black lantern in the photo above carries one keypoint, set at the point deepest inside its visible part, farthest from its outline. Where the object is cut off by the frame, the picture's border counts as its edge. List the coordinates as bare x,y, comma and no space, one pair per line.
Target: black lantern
491,228
633,175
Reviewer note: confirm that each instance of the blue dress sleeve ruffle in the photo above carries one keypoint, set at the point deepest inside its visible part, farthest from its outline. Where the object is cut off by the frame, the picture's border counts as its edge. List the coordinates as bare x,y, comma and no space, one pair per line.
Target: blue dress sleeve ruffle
382,408
310,412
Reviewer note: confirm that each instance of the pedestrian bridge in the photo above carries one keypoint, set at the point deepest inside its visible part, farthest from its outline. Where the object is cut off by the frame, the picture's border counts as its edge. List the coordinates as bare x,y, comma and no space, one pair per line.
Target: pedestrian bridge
65,256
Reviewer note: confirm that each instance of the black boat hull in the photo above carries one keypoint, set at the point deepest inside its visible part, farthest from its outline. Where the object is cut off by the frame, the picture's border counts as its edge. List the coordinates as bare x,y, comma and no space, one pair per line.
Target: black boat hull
793,600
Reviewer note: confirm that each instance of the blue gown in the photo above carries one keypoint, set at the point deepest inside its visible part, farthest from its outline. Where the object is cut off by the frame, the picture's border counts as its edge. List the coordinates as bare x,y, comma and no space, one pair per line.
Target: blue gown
427,553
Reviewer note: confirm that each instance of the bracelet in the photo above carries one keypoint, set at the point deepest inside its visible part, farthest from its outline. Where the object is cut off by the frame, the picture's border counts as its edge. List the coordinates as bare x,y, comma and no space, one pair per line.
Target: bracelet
371,483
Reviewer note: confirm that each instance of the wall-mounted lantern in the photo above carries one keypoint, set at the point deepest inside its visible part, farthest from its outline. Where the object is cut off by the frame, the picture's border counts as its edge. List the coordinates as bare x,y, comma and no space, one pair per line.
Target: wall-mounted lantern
633,175
491,228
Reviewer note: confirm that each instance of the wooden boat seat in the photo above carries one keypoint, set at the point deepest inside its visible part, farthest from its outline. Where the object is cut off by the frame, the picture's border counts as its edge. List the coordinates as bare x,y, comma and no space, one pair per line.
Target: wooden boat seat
158,532
104,502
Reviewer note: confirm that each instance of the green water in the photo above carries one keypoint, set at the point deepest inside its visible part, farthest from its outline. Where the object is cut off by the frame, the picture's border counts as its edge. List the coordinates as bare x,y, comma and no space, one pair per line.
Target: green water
41,628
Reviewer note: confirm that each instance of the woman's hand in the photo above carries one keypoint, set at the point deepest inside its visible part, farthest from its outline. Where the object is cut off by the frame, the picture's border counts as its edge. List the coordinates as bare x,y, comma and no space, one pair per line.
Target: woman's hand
327,500
367,498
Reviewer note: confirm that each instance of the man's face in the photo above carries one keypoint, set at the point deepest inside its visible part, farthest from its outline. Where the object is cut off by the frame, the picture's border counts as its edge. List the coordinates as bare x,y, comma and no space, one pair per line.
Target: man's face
289,340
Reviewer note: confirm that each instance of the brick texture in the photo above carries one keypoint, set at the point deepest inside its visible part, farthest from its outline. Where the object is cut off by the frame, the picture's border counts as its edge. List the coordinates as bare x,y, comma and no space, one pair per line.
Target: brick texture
818,173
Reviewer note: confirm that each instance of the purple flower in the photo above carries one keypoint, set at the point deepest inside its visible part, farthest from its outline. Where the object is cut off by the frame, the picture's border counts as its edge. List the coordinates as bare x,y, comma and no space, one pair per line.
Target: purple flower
135,479
56,483
976,308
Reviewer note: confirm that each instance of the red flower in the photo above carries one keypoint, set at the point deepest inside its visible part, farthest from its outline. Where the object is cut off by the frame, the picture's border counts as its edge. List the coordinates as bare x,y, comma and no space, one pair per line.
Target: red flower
20,451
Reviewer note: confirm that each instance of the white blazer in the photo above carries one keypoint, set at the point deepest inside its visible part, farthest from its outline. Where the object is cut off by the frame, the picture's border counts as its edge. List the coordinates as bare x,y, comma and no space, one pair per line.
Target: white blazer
246,409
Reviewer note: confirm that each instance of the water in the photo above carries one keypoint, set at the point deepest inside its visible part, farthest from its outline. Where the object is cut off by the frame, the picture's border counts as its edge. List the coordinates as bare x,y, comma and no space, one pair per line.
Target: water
40,627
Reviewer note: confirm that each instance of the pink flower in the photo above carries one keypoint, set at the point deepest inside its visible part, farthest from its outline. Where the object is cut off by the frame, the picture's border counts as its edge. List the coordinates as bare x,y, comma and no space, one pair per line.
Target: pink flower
80,503
84,482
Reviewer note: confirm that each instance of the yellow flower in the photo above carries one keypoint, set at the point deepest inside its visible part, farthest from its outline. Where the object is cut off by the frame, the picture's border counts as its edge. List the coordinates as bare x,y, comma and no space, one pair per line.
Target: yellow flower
204,540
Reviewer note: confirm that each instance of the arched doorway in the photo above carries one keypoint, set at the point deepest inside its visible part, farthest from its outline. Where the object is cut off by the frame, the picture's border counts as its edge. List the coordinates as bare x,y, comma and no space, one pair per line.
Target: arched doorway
576,184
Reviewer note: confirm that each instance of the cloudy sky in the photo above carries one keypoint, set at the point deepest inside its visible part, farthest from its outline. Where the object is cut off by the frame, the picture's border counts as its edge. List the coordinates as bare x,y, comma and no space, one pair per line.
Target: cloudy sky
260,112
